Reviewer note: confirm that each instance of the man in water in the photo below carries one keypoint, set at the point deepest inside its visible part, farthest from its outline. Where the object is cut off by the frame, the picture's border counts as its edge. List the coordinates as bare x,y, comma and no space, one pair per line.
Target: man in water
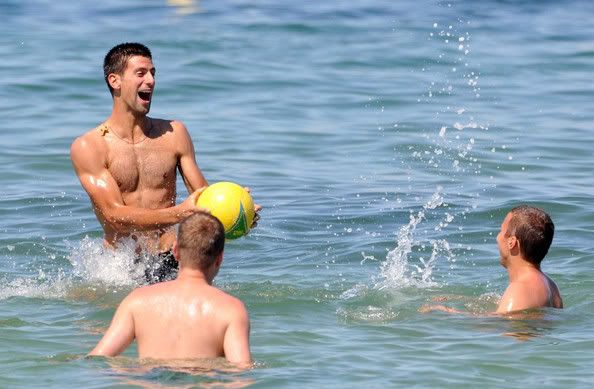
523,241
186,318
128,164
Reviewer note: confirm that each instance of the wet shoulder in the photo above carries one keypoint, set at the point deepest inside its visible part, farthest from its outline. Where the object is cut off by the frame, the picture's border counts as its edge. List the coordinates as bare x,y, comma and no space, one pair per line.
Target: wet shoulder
166,128
93,136
232,304
145,299
149,293
91,142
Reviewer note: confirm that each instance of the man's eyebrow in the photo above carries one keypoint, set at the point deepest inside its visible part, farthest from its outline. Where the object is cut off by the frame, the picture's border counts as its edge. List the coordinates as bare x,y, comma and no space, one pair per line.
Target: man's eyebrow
144,68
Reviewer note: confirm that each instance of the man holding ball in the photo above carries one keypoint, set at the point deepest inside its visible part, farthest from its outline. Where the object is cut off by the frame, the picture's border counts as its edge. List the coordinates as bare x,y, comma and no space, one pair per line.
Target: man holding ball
128,164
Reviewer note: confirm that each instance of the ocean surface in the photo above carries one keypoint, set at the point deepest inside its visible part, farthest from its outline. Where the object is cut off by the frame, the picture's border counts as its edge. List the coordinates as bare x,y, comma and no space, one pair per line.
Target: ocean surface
386,140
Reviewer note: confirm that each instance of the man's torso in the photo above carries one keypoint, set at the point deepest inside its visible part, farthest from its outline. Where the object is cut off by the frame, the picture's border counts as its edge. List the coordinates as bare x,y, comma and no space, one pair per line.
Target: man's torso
145,173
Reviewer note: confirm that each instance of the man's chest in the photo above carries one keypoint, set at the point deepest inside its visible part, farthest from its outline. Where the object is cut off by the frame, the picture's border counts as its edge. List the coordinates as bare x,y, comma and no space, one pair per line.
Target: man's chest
143,167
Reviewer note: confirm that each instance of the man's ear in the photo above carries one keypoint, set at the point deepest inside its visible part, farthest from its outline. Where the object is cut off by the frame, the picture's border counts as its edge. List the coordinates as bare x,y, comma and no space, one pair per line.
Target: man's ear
115,81
219,260
175,249
513,244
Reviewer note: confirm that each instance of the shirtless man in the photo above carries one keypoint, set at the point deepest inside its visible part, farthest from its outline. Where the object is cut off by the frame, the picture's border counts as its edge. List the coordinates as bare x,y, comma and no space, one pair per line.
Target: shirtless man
186,318
128,163
523,241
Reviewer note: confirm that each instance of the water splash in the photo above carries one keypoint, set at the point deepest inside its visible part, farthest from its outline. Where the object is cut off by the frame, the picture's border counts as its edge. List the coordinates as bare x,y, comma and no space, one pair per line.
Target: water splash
399,270
93,263
38,287
95,270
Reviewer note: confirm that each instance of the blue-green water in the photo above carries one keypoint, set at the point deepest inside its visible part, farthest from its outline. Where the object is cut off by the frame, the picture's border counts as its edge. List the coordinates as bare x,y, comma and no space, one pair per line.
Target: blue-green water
386,140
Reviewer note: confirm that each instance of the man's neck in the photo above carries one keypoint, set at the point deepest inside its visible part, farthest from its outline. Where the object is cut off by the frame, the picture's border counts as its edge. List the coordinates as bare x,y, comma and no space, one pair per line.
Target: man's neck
518,267
193,275
127,123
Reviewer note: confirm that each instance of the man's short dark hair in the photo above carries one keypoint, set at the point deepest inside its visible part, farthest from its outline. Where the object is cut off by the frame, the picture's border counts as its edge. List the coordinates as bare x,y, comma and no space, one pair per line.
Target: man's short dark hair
534,229
117,58
200,240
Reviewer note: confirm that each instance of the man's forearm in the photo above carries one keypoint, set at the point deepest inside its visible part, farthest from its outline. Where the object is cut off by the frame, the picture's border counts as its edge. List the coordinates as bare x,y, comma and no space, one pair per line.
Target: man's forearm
128,219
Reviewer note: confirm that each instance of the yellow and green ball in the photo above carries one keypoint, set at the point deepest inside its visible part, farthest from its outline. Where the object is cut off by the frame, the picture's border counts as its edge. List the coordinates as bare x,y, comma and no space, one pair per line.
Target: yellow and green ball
232,205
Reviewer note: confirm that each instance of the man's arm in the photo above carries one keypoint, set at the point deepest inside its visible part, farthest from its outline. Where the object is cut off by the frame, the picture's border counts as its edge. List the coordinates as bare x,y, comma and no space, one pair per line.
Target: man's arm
120,333
517,297
236,344
188,168
430,308
87,159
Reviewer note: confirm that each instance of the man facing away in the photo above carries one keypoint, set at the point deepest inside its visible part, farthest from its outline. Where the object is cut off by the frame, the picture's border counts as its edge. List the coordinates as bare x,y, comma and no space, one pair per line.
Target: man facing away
523,241
128,164
186,318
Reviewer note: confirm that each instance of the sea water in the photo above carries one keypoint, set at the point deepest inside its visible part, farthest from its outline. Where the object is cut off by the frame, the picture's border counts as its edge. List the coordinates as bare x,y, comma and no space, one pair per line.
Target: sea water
385,140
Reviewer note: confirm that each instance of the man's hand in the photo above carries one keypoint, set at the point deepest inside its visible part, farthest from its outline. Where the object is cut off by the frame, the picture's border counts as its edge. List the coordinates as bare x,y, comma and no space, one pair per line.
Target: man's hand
257,208
188,207
431,308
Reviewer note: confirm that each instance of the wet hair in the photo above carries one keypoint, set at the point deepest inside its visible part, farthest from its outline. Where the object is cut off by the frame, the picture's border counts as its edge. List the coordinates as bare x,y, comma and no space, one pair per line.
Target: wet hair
200,240
534,229
117,58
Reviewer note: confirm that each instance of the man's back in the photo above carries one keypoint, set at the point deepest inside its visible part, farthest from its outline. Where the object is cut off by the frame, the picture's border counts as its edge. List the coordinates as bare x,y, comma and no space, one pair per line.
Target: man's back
181,319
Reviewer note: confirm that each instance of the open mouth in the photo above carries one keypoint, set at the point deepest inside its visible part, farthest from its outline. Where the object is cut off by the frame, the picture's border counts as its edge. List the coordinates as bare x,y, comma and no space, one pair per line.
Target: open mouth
145,96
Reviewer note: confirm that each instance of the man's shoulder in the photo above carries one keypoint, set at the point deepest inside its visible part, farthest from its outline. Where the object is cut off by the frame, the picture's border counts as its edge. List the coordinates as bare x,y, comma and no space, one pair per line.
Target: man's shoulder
529,290
168,131
162,126
90,139
231,304
88,144
142,294
158,288
523,286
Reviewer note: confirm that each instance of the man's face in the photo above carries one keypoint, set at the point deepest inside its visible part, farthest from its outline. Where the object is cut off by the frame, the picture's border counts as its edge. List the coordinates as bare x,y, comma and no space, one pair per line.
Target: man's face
502,240
138,83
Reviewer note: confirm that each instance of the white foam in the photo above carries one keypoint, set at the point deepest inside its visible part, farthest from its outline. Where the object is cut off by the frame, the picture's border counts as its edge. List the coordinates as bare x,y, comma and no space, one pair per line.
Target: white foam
94,268
93,263
39,287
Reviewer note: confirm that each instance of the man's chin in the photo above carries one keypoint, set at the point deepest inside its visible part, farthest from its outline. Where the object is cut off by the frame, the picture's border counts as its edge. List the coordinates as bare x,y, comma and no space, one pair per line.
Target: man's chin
143,109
